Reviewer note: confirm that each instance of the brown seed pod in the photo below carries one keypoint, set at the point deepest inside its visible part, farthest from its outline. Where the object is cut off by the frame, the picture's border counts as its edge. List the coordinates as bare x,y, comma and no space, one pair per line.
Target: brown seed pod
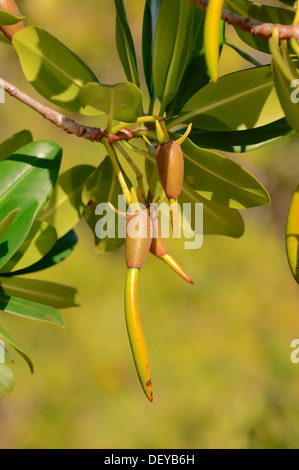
170,163
138,238
10,30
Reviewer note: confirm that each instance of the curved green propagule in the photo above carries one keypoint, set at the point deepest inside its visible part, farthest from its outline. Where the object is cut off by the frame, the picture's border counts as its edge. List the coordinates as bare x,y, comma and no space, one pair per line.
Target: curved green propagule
292,235
138,242
135,333
211,36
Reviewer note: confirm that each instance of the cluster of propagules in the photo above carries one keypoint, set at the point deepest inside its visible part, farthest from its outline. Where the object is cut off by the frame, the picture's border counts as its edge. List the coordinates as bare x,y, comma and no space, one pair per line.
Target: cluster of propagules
144,235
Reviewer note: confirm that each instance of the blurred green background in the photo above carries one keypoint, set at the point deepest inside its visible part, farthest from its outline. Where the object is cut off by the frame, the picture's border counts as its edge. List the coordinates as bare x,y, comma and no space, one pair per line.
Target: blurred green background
219,350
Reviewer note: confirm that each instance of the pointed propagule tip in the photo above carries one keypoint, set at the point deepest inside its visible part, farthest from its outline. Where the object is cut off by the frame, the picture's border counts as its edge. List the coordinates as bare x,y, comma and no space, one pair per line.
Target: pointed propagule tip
177,268
149,391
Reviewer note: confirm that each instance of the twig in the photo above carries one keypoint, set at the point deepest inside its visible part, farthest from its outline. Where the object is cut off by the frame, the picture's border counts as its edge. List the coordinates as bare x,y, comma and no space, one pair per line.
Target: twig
94,134
253,27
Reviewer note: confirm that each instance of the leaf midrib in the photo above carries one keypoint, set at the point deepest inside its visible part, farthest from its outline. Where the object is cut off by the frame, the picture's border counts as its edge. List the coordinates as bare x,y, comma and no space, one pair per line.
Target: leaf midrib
224,179
189,115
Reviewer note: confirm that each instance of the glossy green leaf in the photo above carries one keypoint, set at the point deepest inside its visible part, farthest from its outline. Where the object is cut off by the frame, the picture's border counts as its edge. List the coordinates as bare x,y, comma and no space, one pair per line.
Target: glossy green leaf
153,180
7,221
196,74
6,378
29,309
30,172
125,44
63,211
217,219
18,230
240,141
9,339
5,40
7,18
172,48
240,100
14,143
41,238
263,13
292,235
242,53
60,251
150,17
100,188
288,95
256,42
38,297
53,70
221,180
122,101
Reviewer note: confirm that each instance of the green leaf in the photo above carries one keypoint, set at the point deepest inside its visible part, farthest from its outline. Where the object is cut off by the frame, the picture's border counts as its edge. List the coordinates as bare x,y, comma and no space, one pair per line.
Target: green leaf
263,13
288,96
150,17
7,18
18,230
7,381
14,143
256,42
60,251
64,209
7,221
240,141
292,235
153,179
217,219
240,100
102,187
28,309
53,70
196,74
125,44
122,102
221,180
38,297
30,172
172,48
9,339
242,53
41,238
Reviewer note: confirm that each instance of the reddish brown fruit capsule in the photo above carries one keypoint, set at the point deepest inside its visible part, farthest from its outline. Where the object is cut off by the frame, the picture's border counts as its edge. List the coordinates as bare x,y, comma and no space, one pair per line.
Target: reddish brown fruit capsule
170,163
138,239
10,6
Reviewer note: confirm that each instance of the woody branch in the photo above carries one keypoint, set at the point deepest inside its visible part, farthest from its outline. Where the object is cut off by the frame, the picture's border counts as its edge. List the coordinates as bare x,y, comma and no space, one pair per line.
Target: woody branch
94,134
253,27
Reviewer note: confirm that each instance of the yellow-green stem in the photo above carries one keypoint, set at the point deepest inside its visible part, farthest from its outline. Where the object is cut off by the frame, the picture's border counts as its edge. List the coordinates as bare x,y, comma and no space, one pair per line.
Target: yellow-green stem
144,153
135,333
140,120
277,57
134,167
113,157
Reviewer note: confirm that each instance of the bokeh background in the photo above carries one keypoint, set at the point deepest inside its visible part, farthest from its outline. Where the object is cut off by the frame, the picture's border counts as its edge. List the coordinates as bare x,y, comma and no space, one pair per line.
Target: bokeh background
219,350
